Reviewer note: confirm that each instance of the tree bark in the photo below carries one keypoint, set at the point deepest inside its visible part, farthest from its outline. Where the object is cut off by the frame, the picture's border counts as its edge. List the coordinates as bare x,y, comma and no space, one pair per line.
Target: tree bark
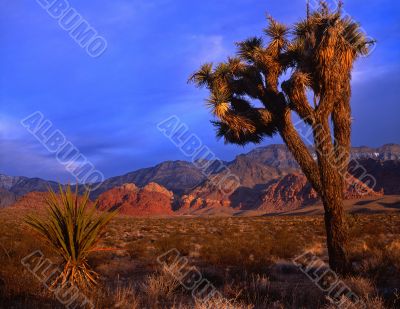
336,233
332,197
341,119
326,179
299,150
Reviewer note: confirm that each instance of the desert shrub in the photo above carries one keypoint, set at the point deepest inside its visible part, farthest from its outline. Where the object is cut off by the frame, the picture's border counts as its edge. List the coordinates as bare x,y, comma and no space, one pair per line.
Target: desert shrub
359,227
221,303
392,251
72,229
247,253
122,296
362,287
175,241
254,289
163,285
286,244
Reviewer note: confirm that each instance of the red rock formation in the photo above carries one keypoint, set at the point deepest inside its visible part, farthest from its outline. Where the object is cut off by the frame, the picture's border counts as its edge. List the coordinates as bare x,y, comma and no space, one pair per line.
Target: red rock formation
356,189
287,193
290,192
151,200
382,175
294,191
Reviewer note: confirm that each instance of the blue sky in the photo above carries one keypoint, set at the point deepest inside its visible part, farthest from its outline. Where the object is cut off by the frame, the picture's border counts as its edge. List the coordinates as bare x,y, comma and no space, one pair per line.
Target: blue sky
109,107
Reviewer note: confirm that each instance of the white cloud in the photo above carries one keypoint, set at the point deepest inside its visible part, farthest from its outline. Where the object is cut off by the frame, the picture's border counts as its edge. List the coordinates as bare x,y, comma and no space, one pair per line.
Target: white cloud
207,48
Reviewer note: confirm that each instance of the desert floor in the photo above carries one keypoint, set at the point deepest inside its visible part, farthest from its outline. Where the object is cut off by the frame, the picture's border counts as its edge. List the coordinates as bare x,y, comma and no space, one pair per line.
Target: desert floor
247,259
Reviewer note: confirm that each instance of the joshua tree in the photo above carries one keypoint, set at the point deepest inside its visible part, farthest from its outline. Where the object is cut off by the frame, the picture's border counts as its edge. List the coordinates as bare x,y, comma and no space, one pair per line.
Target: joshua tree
319,53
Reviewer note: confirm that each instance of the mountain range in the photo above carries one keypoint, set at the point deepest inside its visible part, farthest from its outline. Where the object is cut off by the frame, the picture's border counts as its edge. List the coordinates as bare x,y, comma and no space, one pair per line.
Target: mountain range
270,180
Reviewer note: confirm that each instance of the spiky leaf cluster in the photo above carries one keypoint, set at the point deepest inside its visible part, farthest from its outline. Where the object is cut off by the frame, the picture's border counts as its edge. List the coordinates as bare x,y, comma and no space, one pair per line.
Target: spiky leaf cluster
72,229
319,53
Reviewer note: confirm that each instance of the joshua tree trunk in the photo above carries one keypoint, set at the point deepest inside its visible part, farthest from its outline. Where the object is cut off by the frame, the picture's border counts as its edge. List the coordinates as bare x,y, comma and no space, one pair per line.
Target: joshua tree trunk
336,232
332,195
327,179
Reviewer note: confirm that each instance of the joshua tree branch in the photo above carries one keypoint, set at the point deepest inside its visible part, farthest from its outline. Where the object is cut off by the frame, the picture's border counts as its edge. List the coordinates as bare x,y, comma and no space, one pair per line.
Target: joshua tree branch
295,89
265,115
246,126
300,151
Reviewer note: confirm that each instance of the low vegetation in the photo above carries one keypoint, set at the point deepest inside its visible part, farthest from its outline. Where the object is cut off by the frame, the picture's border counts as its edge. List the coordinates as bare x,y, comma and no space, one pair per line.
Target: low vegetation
71,228
248,260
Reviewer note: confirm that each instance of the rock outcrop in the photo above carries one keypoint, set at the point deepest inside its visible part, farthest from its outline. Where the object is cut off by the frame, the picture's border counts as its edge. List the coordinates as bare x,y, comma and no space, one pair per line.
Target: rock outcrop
287,193
151,200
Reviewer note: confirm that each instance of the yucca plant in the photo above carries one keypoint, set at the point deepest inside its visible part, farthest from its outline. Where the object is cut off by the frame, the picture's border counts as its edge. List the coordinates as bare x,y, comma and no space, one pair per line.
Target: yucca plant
72,228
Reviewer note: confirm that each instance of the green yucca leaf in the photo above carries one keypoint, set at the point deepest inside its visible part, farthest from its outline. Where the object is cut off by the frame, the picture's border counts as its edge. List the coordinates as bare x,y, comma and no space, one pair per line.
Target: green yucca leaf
72,228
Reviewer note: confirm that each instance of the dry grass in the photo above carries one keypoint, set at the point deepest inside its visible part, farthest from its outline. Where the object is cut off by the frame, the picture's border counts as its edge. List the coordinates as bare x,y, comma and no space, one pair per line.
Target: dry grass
162,287
119,296
246,259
